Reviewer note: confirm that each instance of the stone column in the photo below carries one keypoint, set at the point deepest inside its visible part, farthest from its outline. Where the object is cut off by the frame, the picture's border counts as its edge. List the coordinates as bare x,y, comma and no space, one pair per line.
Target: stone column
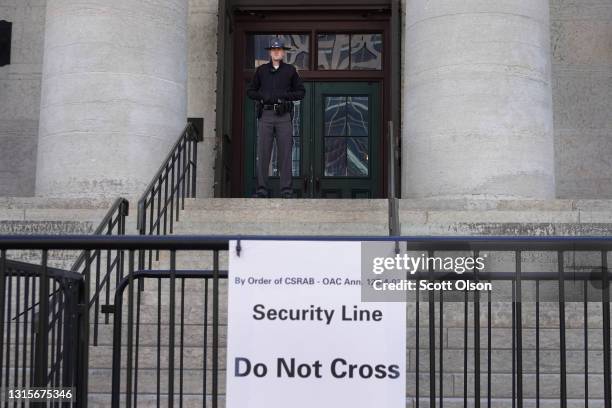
113,94
477,100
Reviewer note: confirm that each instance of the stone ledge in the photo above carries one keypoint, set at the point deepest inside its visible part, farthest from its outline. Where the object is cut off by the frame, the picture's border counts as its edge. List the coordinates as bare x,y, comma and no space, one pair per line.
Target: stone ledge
55,203
505,205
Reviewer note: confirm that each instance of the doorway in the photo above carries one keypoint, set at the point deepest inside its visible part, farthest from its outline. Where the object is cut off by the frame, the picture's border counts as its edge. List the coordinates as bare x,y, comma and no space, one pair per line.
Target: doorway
339,148
336,133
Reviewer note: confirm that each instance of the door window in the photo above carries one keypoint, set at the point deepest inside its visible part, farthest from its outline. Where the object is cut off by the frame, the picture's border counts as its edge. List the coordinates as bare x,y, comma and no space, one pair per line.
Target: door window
346,131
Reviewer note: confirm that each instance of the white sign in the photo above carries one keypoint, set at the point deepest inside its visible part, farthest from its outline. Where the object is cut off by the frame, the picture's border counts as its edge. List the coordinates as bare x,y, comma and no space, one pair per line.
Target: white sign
299,335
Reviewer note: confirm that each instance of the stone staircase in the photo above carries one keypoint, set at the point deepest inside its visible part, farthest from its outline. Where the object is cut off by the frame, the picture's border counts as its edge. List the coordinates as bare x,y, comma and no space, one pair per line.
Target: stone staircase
49,216
329,217
218,217
355,217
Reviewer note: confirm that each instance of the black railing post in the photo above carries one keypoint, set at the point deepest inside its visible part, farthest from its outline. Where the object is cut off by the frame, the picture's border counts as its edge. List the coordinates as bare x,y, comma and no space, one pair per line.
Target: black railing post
562,345
519,329
55,300
41,358
605,303
116,370
3,276
432,341
130,330
83,313
113,224
215,331
394,222
197,137
171,329
72,339
476,339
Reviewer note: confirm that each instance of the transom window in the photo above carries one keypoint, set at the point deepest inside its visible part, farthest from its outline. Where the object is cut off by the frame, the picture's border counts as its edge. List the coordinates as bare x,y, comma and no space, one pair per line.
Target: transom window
299,55
349,51
331,51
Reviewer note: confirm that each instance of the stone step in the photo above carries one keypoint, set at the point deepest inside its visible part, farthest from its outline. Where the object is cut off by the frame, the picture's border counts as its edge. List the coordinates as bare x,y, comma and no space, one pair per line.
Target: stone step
276,216
349,217
412,228
49,227
56,203
48,216
283,217
297,228
466,204
250,204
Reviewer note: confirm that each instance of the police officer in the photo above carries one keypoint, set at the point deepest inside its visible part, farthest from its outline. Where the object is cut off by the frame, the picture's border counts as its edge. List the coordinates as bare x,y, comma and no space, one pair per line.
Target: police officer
274,87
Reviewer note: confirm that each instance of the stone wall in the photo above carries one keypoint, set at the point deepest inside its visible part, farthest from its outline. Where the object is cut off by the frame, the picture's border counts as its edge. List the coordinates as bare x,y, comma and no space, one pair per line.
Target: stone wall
20,96
478,105
202,84
581,38
20,85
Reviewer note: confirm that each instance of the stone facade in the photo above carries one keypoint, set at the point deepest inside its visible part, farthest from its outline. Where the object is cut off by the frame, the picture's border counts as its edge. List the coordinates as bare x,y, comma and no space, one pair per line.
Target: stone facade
581,43
478,110
581,74
114,94
20,96
202,82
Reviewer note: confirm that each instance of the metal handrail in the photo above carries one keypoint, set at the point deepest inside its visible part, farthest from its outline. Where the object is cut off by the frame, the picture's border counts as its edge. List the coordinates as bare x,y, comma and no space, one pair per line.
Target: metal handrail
49,320
18,268
114,217
24,269
89,264
189,134
434,313
164,197
189,131
221,242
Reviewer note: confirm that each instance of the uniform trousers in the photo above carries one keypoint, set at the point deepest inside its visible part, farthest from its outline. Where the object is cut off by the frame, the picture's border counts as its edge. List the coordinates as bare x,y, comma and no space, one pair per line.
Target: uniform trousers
270,125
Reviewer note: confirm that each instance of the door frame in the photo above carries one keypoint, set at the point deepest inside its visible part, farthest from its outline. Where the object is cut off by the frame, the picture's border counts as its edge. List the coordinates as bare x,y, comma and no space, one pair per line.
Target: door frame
312,139
337,21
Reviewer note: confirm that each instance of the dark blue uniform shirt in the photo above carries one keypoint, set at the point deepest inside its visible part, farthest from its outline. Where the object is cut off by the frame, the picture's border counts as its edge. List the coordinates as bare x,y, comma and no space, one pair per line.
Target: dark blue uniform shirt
273,85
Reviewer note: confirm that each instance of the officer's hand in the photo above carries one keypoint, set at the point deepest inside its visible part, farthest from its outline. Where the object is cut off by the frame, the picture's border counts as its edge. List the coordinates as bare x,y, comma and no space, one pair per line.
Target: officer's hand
267,98
278,97
283,97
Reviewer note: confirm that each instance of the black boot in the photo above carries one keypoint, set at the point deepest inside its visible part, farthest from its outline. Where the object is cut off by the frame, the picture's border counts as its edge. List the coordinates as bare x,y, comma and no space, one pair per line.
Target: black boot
260,194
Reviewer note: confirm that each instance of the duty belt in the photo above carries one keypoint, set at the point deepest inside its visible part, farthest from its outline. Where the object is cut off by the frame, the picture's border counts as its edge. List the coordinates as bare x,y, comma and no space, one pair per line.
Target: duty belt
269,107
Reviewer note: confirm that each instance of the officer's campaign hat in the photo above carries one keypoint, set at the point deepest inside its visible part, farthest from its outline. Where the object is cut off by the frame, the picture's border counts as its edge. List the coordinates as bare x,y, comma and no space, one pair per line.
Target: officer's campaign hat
277,43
